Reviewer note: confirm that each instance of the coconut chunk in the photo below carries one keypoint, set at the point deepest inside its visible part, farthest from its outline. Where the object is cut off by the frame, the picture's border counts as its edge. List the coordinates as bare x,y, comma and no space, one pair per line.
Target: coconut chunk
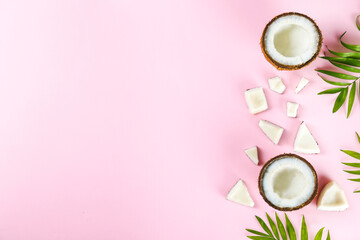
277,85
303,82
240,194
305,142
292,109
252,153
256,100
288,182
332,198
272,131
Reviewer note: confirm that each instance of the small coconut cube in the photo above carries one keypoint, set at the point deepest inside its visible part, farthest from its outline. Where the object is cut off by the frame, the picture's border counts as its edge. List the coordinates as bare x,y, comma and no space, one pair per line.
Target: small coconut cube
277,85
292,109
303,82
240,194
256,100
252,153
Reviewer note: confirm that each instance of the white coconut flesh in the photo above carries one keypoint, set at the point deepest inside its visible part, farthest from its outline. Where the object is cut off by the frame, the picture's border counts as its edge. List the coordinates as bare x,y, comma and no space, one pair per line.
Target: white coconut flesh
277,85
332,198
292,109
240,194
288,182
256,100
252,153
291,40
305,142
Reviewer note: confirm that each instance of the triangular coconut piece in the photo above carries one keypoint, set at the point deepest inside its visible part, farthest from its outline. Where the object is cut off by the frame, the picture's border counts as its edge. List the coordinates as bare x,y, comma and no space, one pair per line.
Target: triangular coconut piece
252,153
240,194
272,131
303,82
332,198
305,142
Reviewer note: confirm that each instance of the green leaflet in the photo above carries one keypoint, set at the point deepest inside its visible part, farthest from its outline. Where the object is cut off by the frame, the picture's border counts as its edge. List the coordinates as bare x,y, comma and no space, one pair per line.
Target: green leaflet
354,179
358,137
264,226
318,236
330,91
281,227
351,98
260,238
290,228
352,164
336,83
338,75
340,99
273,226
345,54
352,47
328,236
345,67
352,153
304,231
358,191
347,61
357,22
256,232
356,172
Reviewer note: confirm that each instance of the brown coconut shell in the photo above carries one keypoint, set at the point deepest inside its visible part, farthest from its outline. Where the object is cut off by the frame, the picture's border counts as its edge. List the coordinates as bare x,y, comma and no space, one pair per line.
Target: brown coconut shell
261,176
278,65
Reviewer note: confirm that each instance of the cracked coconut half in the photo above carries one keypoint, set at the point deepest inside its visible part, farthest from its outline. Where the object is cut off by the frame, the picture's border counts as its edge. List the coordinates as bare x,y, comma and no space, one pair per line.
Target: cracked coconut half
291,41
288,182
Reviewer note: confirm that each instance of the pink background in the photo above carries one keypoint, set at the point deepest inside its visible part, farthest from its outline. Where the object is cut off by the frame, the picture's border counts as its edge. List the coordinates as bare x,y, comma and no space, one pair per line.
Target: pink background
126,119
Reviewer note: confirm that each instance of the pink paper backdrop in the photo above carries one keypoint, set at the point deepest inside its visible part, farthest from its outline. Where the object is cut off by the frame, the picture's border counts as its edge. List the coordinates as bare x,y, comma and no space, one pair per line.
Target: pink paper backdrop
126,119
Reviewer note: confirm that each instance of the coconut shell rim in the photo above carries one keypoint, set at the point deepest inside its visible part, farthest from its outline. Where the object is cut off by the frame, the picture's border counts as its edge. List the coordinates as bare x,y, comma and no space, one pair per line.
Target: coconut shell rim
280,66
278,157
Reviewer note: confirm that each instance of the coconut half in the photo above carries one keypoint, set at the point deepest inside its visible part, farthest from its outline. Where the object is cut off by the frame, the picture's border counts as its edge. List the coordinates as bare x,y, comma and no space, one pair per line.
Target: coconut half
291,41
288,182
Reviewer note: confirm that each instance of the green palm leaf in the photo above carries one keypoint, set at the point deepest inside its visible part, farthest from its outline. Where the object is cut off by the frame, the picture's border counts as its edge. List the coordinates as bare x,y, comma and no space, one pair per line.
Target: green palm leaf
304,231
337,75
345,54
328,236
264,226
351,98
357,22
318,236
358,137
340,99
260,238
352,47
281,227
352,164
347,61
352,153
256,232
345,67
336,83
273,226
356,172
330,91
354,179
290,229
